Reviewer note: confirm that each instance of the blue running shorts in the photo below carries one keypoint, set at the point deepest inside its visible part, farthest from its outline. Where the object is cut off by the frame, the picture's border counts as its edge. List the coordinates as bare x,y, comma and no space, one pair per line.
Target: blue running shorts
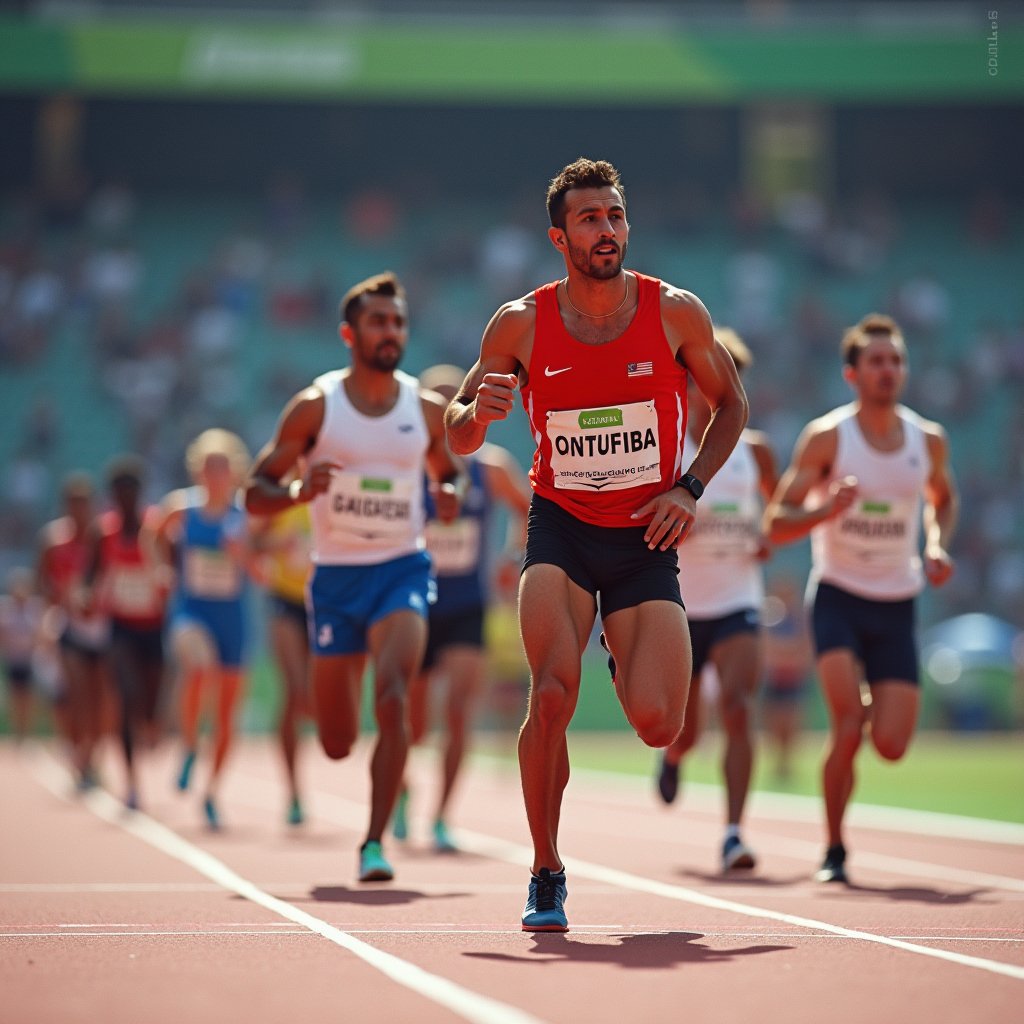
347,599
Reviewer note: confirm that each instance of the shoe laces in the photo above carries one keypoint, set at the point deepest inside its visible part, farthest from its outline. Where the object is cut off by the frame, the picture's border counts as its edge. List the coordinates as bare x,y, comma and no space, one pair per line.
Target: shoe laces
546,895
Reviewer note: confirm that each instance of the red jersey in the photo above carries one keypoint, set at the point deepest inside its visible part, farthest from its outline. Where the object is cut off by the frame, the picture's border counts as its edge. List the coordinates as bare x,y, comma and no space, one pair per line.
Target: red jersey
129,583
64,563
609,420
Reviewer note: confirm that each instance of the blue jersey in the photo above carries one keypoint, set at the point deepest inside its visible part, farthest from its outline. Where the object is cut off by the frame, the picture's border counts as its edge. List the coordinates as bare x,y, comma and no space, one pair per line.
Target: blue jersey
459,549
211,584
206,572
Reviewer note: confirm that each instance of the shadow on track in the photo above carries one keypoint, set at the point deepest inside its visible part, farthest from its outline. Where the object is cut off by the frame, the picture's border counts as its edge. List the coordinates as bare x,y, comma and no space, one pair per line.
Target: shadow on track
371,897
657,950
912,893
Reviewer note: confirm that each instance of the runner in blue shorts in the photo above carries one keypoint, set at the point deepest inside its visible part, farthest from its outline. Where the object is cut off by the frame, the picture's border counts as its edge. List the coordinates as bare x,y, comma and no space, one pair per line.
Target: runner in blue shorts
201,532
363,438
856,485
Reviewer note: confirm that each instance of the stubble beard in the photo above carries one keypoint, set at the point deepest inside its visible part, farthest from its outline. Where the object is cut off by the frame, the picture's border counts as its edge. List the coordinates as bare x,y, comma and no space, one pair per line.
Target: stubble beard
580,259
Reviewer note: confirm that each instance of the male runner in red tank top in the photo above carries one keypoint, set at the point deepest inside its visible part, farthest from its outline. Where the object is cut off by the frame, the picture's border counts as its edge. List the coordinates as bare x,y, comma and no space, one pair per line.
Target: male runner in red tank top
601,359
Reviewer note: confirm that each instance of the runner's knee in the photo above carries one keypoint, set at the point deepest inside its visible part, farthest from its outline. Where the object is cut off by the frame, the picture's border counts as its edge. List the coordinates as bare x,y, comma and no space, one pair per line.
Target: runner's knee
337,743
891,746
551,701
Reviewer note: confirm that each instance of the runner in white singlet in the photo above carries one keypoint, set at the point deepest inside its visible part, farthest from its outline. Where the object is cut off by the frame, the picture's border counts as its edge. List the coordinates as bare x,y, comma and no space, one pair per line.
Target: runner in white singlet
856,485
722,585
365,436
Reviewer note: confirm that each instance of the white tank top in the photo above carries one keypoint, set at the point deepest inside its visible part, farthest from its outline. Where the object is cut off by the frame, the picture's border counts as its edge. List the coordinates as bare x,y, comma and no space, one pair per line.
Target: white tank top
373,510
871,550
718,568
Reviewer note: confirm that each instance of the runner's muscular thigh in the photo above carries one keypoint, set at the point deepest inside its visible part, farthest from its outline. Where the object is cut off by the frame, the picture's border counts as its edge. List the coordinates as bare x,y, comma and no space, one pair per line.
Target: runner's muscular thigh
556,617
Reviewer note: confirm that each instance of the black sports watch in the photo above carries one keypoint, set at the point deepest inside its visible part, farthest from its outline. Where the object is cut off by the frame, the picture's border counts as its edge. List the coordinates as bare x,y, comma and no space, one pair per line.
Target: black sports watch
690,483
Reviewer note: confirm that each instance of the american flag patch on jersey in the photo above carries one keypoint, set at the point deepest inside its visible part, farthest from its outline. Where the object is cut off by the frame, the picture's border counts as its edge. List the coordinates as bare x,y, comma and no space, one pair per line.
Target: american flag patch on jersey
640,369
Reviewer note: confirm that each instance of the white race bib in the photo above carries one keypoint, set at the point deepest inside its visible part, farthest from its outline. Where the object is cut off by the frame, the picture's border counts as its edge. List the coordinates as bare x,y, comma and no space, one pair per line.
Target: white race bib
726,529
211,573
370,507
134,591
454,547
877,533
605,449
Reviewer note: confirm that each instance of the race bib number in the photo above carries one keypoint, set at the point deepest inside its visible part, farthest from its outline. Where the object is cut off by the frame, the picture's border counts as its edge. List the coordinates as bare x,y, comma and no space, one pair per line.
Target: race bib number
134,591
454,547
726,529
878,533
211,573
605,449
370,507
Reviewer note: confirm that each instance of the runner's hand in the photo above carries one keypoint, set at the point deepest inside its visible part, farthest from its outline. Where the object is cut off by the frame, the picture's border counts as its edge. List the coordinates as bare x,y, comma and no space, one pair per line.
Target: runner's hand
316,480
938,566
842,494
672,515
494,397
447,501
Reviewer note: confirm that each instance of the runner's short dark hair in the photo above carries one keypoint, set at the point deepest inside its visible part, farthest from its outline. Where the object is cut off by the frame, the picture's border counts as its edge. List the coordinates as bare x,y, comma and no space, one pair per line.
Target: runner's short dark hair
386,284
581,173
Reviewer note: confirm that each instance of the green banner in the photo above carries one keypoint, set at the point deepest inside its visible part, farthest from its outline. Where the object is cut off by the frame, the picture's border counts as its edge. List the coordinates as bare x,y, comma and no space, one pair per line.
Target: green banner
555,63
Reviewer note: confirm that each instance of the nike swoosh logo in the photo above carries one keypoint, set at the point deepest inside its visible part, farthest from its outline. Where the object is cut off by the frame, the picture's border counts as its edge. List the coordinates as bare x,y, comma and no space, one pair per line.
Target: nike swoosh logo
548,372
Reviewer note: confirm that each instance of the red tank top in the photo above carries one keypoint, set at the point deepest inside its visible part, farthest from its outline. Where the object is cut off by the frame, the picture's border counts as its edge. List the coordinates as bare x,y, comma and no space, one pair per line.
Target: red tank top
130,587
608,420
65,561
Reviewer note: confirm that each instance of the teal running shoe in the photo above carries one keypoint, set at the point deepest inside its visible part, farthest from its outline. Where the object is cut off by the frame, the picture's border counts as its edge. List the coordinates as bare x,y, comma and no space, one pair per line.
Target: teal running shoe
400,821
443,842
545,911
186,770
373,867
212,817
295,814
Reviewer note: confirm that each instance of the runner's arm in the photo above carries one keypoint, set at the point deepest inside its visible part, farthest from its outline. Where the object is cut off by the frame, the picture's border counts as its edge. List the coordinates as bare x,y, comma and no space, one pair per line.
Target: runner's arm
488,392
941,508
788,517
296,434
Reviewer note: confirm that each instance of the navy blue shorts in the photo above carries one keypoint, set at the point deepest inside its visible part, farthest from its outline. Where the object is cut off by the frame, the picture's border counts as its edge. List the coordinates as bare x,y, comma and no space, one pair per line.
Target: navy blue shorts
879,633
705,633
286,608
611,562
456,629
348,599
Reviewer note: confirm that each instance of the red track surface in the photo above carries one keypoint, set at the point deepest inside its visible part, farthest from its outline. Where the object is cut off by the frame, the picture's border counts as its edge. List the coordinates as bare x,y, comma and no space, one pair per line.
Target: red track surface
106,917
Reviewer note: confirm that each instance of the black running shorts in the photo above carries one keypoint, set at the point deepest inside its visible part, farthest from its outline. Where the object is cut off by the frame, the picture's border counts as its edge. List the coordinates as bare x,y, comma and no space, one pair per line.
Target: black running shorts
705,633
456,629
611,562
880,633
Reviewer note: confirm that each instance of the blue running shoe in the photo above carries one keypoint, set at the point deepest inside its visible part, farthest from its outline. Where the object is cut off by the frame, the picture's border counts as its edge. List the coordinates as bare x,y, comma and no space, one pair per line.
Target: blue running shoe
544,910
186,770
400,822
736,854
212,817
373,867
295,814
443,842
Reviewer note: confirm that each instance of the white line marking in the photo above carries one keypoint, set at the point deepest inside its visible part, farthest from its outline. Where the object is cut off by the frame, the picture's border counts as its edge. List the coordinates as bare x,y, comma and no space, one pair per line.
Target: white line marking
461,1001
514,853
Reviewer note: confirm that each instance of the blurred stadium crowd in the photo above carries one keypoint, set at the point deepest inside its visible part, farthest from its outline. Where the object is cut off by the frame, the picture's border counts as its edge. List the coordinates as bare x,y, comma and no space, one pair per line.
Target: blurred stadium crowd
131,320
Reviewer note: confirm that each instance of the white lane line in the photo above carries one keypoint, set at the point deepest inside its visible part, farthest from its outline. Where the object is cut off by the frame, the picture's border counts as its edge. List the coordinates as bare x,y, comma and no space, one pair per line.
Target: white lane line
345,812
461,1001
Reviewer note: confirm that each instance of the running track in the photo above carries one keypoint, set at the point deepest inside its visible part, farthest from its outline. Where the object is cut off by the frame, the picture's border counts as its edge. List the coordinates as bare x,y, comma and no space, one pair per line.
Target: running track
116,918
